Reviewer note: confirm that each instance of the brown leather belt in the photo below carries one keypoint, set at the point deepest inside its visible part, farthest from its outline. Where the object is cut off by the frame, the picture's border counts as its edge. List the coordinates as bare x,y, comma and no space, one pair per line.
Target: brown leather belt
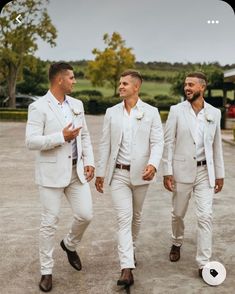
74,161
123,166
200,163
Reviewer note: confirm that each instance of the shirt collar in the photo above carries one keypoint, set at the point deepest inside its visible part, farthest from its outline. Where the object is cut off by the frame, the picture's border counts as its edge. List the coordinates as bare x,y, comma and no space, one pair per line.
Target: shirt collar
56,101
137,105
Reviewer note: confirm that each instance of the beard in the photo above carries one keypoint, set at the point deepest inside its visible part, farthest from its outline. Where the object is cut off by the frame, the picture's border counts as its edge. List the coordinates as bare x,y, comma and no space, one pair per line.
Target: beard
195,96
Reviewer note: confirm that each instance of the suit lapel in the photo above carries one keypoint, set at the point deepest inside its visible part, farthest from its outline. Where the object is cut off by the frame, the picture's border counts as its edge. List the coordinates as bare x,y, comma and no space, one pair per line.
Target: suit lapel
141,109
188,118
56,110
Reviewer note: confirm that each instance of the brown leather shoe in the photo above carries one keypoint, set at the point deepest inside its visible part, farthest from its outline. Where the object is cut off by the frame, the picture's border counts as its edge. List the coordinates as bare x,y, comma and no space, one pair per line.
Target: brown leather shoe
126,278
200,272
174,253
46,283
73,257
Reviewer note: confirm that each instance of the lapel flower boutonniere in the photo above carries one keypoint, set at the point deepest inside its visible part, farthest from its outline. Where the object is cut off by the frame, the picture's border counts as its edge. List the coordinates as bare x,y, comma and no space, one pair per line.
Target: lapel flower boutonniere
140,115
209,118
75,111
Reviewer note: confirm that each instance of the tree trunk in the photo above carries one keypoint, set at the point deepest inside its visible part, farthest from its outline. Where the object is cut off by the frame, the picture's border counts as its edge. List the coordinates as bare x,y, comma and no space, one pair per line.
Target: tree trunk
11,83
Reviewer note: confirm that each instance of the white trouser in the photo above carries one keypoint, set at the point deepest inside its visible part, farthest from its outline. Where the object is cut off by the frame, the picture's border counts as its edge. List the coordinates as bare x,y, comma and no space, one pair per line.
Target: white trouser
128,201
203,194
79,197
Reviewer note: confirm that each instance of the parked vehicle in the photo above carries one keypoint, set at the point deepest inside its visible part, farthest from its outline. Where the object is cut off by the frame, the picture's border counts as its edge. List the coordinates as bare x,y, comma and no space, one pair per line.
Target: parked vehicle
231,111
22,100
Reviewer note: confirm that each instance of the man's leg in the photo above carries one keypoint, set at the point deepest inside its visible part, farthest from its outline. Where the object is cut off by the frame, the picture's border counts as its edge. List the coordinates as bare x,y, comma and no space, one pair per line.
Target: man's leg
79,197
139,194
122,203
180,201
204,200
50,200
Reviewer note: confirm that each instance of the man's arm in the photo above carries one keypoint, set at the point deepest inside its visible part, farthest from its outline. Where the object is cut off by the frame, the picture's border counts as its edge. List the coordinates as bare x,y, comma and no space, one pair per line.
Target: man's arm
169,138
35,138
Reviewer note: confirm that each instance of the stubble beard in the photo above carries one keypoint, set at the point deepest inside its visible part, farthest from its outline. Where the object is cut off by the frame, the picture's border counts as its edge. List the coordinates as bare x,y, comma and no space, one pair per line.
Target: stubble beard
195,96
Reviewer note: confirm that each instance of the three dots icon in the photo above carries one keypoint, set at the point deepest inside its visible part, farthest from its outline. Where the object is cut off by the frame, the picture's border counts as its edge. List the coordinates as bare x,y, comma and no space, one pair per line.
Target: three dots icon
213,22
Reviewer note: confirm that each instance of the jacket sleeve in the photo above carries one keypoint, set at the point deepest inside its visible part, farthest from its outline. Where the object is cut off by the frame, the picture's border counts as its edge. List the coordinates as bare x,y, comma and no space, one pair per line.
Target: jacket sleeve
87,151
156,141
35,138
104,146
169,138
217,151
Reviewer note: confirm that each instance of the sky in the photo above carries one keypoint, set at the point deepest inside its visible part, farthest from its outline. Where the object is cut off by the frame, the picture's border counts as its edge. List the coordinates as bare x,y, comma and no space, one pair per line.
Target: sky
157,30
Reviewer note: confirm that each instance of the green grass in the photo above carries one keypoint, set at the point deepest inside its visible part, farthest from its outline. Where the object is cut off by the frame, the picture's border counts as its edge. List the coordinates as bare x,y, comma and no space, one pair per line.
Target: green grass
149,89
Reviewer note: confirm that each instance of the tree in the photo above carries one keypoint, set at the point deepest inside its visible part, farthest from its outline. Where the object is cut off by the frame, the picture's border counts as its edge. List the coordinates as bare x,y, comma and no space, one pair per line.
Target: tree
110,63
35,80
212,71
18,41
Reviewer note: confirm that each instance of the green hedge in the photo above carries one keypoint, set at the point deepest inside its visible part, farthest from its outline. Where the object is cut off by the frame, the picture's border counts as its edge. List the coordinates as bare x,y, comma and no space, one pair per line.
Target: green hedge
92,106
13,115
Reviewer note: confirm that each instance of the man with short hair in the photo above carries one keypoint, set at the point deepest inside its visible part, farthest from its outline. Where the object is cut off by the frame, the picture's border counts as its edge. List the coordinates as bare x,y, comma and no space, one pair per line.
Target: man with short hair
193,163
132,143
57,129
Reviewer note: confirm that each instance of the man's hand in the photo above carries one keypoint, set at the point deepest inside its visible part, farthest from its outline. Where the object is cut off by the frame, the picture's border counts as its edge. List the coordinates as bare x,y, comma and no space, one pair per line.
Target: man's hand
169,183
70,133
149,172
89,172
218,185
99,184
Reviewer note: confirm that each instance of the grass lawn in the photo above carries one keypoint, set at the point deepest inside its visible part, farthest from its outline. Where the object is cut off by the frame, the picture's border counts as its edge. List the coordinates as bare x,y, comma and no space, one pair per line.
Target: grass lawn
149,89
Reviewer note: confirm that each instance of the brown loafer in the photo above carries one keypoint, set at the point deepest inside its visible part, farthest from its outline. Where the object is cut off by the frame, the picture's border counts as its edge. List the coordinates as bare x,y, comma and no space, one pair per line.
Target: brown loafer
174,253
126,278
73,257
46,283
200,272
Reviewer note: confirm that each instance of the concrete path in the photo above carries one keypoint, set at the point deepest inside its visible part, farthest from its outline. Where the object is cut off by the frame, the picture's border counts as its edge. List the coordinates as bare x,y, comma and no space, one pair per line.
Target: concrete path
19,223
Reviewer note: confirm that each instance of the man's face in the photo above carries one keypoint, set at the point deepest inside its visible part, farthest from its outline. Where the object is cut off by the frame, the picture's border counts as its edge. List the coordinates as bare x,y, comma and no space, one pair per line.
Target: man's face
128,87
193,89
66,81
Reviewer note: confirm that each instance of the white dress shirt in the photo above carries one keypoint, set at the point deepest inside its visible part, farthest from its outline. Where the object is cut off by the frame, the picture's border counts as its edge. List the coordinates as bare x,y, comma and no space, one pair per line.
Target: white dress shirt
129,125
199,126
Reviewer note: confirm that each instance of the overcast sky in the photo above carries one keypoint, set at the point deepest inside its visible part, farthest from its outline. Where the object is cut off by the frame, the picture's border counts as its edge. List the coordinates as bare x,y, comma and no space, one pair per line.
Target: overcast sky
157,30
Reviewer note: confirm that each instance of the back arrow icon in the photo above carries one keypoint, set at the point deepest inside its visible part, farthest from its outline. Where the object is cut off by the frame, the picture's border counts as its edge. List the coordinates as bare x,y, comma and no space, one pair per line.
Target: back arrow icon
18,18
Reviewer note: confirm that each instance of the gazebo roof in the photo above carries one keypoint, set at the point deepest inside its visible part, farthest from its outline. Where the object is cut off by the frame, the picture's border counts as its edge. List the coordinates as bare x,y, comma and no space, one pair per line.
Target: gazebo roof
229,75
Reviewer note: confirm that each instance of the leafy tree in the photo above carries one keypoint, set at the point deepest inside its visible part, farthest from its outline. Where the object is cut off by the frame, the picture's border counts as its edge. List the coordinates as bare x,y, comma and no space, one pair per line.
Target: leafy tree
110,63
35,80
213,73
18,41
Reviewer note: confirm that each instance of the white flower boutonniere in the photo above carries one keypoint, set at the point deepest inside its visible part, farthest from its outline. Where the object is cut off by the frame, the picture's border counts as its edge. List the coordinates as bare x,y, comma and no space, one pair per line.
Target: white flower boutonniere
75,111
140,115
209,118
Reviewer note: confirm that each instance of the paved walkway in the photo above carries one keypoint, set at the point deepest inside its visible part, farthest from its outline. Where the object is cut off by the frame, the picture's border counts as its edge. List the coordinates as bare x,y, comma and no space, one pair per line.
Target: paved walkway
19,223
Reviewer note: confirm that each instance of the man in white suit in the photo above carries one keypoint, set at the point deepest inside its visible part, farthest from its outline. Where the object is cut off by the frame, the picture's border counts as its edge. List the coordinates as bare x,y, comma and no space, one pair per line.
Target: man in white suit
57,129
193,163
132,143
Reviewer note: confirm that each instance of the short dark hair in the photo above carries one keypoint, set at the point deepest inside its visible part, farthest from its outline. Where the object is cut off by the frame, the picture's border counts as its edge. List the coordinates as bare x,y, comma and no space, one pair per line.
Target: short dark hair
197,74
58,67
132,73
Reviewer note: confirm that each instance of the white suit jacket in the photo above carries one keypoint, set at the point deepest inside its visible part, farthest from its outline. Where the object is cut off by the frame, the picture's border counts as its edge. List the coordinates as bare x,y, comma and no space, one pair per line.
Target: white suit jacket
54,155
147,144
179,156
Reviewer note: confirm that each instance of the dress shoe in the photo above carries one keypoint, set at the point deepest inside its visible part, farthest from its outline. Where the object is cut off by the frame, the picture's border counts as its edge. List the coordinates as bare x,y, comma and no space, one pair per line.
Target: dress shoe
46,283
126,278
174,253
135,261
200,272
73,257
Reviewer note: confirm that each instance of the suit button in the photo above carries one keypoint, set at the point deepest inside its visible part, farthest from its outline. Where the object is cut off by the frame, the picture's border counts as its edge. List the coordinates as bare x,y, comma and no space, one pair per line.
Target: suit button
69,156
194,157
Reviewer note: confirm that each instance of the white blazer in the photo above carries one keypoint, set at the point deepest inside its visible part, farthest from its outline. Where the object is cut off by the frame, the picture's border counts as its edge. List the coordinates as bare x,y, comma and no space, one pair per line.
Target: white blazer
146,148
179,156
54,155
